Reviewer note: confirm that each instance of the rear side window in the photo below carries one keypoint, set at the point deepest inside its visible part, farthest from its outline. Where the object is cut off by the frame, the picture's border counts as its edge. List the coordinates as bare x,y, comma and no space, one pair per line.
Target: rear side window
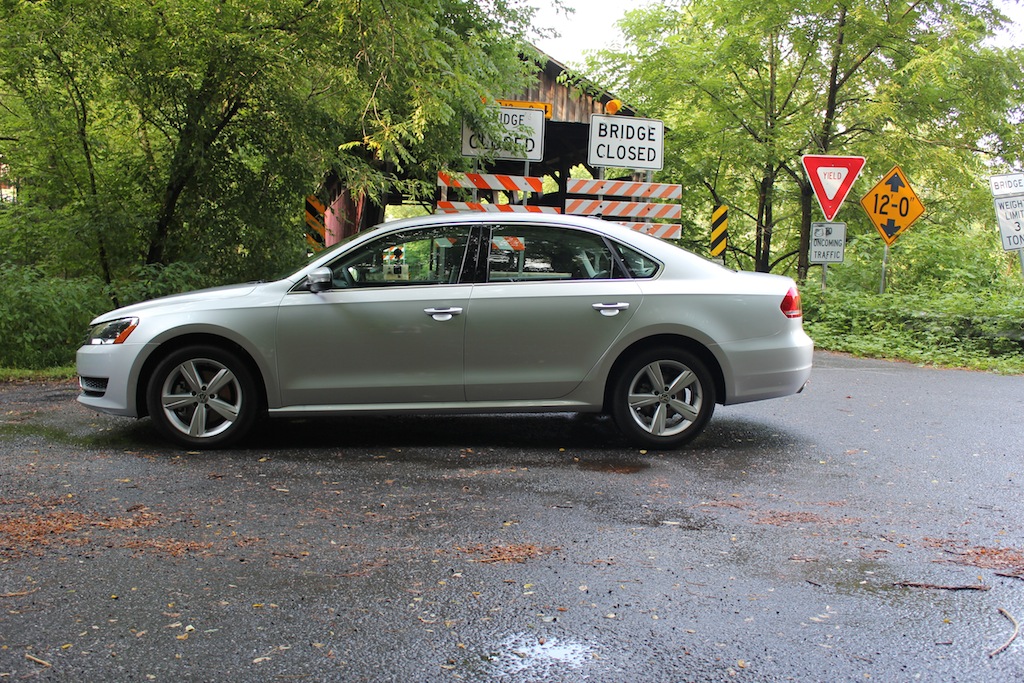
527,252
638,265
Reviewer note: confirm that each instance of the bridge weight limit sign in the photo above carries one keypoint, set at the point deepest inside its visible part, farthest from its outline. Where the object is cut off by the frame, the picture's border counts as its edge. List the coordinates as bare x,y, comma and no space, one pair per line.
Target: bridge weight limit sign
1008,197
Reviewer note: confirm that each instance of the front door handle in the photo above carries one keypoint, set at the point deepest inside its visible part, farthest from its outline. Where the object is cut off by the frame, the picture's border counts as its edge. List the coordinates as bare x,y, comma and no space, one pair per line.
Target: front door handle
443,314
610,309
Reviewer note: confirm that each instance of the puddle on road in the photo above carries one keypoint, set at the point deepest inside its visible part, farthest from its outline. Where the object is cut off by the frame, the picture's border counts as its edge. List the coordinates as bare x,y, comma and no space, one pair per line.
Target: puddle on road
528,653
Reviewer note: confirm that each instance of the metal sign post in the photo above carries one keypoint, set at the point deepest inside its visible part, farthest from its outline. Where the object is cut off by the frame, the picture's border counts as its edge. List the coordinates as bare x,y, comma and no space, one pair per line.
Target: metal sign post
885,265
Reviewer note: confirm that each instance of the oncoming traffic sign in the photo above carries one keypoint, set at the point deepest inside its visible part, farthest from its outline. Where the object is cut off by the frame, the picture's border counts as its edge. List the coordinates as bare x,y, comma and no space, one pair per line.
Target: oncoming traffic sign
828,243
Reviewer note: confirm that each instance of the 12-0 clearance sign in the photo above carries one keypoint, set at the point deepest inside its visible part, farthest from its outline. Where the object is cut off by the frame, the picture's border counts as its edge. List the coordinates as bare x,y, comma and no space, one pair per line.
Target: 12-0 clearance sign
892,205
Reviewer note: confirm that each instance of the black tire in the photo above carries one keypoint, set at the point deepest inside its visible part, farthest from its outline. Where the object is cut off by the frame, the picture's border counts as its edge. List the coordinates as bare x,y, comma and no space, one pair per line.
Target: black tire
663,398
202,397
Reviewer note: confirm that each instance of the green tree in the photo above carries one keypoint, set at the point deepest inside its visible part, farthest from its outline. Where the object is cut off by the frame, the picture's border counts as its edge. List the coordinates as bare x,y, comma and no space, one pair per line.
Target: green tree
145,133
747,88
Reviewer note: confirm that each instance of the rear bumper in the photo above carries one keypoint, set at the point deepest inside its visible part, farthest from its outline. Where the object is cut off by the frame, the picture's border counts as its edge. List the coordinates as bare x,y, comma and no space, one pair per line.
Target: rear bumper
768,367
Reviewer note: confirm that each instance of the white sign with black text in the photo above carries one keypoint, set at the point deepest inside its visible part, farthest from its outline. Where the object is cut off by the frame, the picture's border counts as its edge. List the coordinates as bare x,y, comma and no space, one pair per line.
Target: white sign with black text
626,142
828,243
523,138
1008,197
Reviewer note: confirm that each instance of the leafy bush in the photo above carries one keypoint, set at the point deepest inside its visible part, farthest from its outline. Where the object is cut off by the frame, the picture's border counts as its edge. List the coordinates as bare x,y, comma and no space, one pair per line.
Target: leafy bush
153,281
952,329
44,318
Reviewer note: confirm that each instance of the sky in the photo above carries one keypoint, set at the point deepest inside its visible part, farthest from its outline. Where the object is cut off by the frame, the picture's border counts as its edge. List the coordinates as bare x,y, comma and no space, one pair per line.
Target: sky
592,26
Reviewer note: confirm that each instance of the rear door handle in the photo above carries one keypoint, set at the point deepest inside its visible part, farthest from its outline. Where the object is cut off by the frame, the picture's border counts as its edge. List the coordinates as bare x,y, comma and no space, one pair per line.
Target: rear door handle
443,314
610,309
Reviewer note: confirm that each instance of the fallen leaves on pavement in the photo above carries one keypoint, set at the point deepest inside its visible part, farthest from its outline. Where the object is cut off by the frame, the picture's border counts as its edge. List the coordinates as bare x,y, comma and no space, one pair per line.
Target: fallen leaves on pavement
520,552
36,524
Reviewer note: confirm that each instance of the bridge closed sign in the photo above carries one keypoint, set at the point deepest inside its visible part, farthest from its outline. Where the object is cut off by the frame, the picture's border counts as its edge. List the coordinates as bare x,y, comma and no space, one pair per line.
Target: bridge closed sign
626,142
523,137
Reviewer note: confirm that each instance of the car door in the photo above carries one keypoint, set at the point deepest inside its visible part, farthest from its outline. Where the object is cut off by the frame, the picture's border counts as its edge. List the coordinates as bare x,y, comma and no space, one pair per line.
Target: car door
391,330
553,301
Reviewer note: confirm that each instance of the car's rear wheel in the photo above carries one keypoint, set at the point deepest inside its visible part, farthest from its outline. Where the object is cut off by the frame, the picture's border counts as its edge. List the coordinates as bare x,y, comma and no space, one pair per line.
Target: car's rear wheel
202,397
663,398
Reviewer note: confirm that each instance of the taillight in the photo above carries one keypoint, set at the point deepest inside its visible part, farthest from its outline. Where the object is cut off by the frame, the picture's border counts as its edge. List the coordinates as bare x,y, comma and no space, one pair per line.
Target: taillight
791,304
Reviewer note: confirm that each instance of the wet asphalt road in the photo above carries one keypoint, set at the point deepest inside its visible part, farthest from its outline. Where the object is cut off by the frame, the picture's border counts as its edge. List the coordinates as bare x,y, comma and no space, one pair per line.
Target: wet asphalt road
870,528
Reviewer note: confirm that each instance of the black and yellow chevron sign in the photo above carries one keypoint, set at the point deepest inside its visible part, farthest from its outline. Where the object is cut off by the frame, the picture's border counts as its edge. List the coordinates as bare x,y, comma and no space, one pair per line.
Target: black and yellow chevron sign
719,230
315,223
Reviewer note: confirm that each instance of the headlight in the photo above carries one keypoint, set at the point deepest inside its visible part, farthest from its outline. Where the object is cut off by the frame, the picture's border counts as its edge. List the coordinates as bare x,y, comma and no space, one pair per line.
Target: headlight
111,332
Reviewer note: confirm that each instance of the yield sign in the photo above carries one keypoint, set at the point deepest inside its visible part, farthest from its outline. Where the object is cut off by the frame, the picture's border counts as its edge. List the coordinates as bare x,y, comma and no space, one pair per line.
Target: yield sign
831,177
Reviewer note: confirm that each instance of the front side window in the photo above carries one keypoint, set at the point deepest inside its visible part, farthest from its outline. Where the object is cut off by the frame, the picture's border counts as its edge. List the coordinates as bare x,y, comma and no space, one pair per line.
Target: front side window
533,252
421,256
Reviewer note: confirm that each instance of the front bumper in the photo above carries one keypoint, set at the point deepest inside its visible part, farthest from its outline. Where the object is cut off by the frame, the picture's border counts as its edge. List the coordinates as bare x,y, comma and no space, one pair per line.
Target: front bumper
108,376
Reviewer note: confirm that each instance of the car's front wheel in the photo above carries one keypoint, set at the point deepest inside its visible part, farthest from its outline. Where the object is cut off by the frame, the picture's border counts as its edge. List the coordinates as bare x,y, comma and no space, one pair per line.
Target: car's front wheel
202,397
663,398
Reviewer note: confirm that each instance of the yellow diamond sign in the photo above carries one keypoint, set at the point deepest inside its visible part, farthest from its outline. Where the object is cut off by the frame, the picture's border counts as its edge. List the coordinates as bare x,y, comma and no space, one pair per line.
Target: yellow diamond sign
892,205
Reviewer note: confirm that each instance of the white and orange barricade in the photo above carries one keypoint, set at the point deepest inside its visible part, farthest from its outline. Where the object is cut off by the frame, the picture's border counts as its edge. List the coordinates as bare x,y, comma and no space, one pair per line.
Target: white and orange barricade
645,215
492,182
459,207
623,188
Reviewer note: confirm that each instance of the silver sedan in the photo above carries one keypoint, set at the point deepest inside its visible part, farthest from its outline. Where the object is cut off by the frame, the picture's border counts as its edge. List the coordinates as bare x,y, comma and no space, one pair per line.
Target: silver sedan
465,313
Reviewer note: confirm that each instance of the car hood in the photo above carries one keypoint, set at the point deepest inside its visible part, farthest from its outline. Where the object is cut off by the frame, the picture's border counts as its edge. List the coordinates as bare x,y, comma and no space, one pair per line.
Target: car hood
212,296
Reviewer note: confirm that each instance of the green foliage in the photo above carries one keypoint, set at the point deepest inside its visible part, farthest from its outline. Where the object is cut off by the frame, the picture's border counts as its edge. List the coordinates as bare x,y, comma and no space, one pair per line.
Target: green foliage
44,318
927,259
147,133
746,89
952,329
150,282
951,298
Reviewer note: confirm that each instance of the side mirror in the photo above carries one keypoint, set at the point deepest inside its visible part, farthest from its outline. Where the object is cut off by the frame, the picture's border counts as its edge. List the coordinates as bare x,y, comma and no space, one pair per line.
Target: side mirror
320,280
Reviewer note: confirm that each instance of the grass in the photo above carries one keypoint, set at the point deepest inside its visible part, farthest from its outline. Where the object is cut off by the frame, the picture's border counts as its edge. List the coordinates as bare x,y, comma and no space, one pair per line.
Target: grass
48,374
